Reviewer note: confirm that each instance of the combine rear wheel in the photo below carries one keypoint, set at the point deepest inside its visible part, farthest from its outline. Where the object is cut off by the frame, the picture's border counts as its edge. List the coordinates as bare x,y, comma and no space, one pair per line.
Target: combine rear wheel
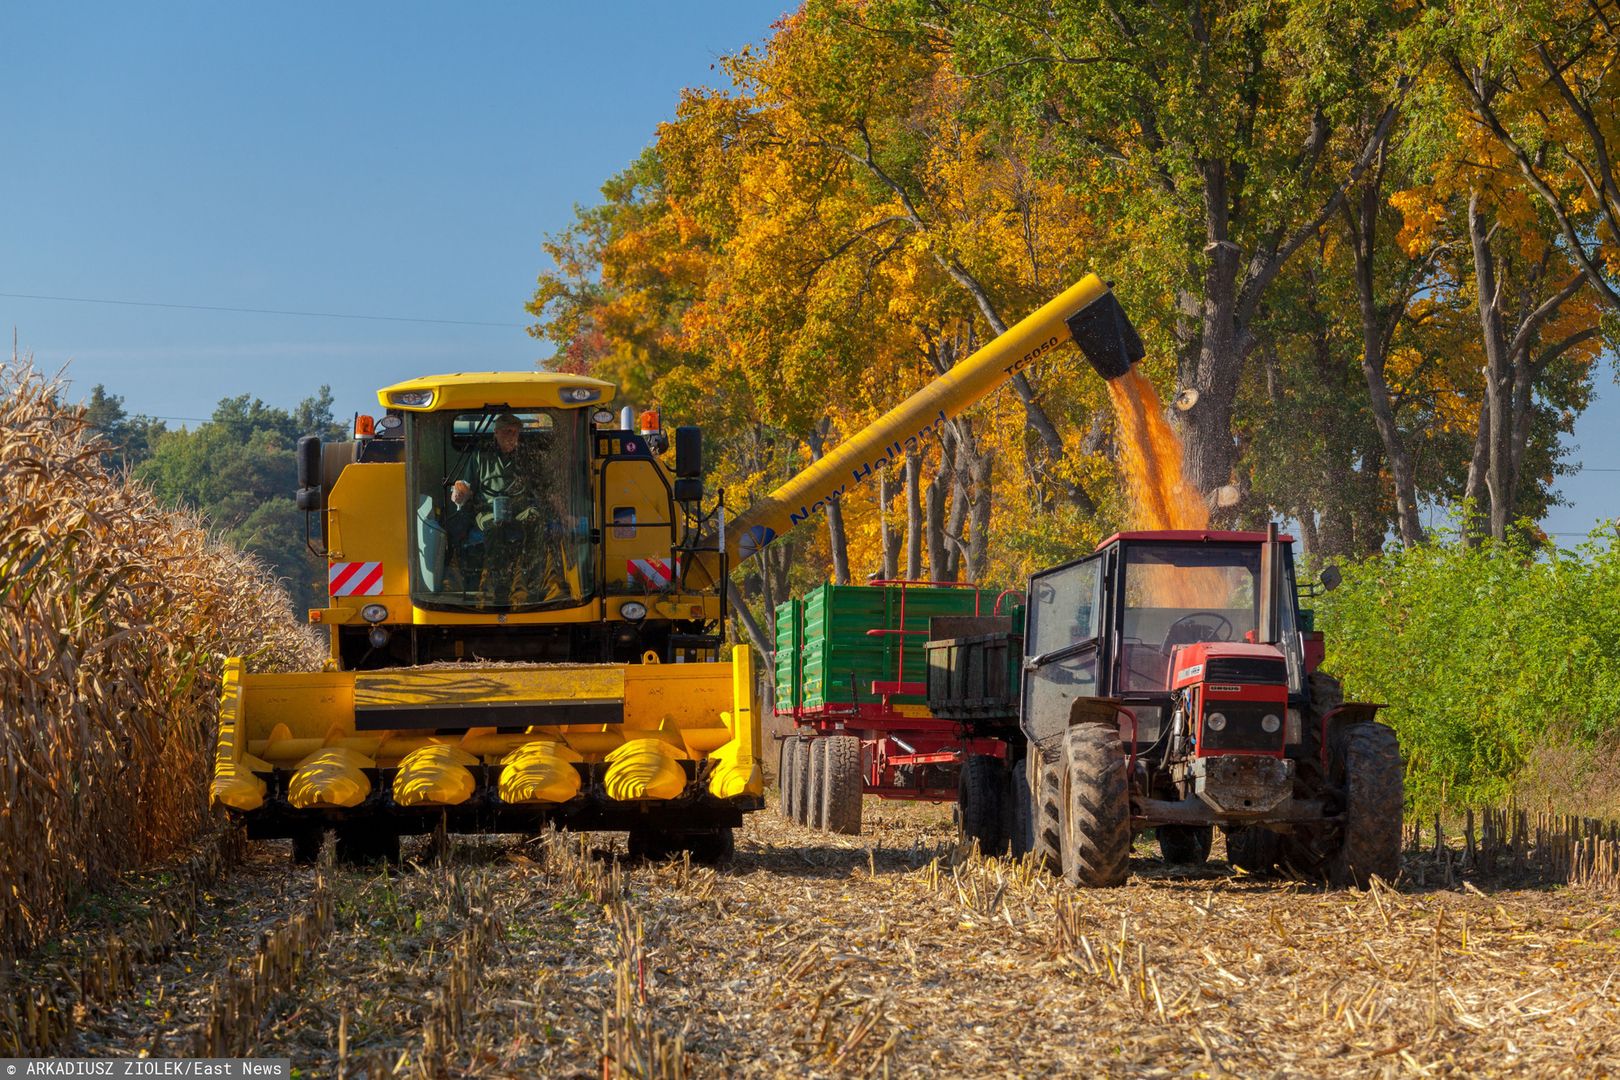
980,803
841,785
1096,807
1044,780
1185,845
366,844
1369,757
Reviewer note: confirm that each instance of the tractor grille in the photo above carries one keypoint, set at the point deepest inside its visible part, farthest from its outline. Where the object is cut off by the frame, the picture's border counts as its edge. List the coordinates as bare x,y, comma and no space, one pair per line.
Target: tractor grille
1246,669
1243,730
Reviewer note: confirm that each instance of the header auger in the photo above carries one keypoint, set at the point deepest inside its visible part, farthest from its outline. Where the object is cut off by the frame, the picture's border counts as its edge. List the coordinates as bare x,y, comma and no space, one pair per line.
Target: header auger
526,611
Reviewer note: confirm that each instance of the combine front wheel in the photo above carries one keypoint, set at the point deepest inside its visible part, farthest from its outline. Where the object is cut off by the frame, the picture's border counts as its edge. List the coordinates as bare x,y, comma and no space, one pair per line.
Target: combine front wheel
1096,808
979,803
841,785
306,845
362,845
1370,758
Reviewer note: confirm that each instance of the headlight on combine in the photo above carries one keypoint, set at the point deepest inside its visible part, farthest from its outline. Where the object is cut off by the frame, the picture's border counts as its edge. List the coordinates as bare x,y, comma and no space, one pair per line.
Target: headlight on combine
374,612
379,636
633,610
1215,721
578,395
413,399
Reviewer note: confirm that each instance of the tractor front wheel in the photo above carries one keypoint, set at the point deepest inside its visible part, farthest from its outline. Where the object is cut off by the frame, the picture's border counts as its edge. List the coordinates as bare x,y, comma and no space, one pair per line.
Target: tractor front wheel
1185,845
1096,808
980,799
1369,757
1253,850
1044,780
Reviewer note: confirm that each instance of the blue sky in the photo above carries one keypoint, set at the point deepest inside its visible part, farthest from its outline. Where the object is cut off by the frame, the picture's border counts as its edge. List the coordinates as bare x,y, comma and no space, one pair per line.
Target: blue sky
401,160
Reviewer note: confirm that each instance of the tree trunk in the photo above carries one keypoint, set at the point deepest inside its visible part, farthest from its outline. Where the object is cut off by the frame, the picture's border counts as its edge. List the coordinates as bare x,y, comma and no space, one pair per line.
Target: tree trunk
889,536
1498,372
979,519
837,540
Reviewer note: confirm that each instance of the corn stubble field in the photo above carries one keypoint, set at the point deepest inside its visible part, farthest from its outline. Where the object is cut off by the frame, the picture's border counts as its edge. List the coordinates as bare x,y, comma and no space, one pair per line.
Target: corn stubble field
895,953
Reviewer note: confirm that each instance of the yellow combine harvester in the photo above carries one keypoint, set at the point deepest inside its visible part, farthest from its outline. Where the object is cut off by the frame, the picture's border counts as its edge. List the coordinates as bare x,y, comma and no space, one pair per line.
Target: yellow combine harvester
527,607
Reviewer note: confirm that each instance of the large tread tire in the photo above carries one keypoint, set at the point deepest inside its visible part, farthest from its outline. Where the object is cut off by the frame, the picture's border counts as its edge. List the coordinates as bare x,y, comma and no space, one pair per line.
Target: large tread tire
306,845
981,803
713,848
366,845
1021,829
801,779
814,801
708,847
1253,850
1045,781
786,773
841,783
1185,845
1096,808
1369,756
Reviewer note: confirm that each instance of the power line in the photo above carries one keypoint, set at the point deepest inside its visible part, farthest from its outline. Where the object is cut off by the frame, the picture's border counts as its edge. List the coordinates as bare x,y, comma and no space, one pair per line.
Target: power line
258,311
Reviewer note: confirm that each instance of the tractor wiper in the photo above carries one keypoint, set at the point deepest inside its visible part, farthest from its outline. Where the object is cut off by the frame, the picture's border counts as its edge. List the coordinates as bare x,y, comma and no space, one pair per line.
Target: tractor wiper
1054,655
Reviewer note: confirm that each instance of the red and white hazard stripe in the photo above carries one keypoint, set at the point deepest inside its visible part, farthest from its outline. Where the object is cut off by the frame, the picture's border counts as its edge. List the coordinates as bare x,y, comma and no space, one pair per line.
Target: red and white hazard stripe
354,579
658,573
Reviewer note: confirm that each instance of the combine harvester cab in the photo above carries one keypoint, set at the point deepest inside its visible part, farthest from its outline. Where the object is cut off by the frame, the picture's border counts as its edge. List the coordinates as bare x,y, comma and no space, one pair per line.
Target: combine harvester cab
515,638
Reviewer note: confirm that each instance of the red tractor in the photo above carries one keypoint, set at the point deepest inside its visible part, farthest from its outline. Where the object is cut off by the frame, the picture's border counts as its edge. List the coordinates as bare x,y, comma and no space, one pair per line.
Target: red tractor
1168,683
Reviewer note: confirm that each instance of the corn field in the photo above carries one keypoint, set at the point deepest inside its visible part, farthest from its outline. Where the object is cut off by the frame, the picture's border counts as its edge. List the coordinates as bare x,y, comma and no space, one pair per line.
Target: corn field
115,613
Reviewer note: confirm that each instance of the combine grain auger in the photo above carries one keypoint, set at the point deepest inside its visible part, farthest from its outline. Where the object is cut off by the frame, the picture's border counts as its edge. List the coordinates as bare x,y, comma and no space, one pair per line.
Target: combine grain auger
526,608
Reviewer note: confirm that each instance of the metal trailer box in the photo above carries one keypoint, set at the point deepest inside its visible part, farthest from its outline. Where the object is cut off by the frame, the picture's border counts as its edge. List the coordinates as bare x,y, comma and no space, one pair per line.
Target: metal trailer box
789,656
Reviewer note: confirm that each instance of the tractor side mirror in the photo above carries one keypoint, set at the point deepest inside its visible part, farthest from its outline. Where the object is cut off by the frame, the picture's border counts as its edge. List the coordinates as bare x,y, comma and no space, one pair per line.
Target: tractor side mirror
1331,578
309,473
689,452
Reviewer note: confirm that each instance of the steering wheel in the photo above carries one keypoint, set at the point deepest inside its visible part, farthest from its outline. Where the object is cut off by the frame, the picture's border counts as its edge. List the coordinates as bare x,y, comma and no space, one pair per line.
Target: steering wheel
1219,630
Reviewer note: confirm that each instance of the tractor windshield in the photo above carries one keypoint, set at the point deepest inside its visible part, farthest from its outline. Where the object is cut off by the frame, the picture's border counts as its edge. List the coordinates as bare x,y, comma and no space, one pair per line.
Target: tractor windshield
500,509
1180,594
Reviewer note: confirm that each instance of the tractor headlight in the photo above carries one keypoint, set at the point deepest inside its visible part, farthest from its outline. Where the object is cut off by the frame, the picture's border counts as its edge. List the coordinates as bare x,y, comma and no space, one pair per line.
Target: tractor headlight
379,636
578,395
633,610
1271,723
413,399
374,612
1215,721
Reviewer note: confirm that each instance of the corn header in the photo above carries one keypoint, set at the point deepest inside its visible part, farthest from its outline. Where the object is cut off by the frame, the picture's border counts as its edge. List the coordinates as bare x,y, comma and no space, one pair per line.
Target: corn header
526,612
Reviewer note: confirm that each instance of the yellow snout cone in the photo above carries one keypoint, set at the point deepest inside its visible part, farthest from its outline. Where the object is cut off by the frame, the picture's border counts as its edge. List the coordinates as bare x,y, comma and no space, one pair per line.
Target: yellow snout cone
434,776
644,769
539,772
330,778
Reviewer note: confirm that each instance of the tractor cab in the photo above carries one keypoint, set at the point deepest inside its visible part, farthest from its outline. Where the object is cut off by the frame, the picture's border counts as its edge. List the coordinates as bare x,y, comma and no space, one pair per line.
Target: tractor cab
1148,614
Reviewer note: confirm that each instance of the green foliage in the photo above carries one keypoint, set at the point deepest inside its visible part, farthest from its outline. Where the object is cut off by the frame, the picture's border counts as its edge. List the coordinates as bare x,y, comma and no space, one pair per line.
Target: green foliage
239,470
1482,653
132,436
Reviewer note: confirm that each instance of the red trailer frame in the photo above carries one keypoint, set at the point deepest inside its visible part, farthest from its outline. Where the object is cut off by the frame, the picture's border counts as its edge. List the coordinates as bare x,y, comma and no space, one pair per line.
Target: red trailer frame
895,736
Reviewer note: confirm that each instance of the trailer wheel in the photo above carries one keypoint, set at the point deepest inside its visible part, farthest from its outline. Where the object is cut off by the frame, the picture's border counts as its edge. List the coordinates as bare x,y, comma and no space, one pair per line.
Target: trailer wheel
1021,833
1185,845
366,844
841,785
814,794
1370,763
786,773
980,801
1096,808
1045,782
1253,850
801,778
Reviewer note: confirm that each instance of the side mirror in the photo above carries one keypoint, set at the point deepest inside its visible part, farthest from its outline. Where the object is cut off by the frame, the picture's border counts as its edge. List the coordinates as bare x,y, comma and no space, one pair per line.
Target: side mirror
1331,578
308,454
689,452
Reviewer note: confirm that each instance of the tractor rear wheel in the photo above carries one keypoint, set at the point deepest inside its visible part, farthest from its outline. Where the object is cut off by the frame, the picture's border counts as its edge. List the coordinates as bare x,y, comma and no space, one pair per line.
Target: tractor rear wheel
1045,781
1096,808
1369,760
801,778
981,802
815,801
1185,845
841,785
1253,850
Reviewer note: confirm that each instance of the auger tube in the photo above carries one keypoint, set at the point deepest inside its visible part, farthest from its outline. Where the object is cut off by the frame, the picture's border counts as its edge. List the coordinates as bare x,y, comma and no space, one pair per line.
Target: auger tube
1085,312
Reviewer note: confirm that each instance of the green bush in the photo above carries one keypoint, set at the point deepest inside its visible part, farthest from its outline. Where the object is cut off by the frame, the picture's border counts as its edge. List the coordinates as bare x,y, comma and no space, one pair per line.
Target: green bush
1483,654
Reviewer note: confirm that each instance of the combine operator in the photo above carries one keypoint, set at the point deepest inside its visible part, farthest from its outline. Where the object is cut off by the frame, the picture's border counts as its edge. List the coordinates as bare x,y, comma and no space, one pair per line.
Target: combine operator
507,519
